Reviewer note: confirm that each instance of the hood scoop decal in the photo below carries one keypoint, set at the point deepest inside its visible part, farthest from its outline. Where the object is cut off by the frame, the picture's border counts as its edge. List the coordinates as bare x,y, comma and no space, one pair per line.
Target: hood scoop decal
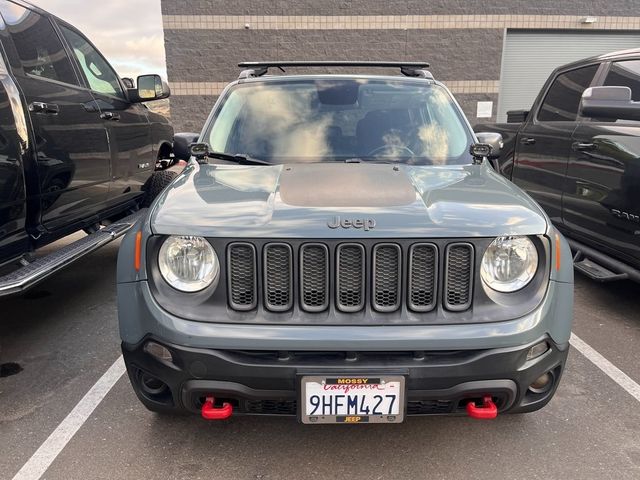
345,185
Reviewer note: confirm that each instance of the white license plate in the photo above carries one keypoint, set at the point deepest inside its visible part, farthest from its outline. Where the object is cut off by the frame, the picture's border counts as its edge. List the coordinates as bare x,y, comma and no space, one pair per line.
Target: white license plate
357,399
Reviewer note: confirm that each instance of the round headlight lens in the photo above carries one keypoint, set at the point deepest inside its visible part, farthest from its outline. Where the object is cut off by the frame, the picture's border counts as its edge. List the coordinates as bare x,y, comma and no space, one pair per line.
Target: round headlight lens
188,263
509,264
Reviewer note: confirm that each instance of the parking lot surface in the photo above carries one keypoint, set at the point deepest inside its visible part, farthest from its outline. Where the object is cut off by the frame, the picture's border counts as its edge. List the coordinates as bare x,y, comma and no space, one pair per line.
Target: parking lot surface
64,336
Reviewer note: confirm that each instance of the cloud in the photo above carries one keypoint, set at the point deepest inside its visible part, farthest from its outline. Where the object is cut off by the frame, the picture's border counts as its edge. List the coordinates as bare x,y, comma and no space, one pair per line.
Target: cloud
128,33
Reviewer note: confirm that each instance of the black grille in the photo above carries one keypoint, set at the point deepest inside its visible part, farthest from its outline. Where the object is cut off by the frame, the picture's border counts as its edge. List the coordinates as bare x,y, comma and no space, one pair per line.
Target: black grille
241,271
314,277
289,407
459,270
350,277
271,407
423,267
427,407
386,277
278,277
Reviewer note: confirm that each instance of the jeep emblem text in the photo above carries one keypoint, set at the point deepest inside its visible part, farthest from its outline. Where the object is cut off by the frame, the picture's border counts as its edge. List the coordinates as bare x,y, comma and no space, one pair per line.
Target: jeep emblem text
365,223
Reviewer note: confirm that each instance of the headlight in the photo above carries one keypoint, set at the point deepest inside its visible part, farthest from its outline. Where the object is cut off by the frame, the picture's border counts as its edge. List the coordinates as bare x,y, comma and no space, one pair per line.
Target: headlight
509,264
188,263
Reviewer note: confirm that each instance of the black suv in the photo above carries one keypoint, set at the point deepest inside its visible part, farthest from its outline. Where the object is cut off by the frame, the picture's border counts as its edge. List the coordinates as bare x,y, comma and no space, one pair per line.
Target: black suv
78,148
577,153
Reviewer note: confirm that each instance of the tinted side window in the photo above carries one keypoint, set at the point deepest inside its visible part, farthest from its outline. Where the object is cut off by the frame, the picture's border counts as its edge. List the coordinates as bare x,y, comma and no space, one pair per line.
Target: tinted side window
625,74
99,74
39,47
563,98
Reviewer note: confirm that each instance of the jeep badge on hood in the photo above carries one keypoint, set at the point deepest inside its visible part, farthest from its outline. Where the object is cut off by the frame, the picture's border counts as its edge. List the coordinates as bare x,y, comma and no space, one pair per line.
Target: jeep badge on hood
365,223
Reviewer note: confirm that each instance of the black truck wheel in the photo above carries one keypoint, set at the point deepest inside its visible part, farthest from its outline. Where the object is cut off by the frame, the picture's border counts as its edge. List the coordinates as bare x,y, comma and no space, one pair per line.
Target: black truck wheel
155,184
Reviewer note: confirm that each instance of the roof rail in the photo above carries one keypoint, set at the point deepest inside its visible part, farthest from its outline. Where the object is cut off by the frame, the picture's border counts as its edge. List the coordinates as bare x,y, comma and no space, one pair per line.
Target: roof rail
409,69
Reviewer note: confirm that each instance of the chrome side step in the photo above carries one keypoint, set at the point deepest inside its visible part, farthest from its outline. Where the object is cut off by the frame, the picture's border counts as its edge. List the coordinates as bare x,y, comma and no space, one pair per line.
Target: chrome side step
32,273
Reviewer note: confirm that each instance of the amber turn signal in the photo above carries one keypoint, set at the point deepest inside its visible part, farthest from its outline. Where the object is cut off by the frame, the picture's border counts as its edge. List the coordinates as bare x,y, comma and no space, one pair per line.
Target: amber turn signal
138,251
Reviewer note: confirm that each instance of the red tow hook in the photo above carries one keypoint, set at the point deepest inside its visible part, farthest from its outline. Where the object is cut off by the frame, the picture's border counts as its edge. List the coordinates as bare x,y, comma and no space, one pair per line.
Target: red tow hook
209,412
486,412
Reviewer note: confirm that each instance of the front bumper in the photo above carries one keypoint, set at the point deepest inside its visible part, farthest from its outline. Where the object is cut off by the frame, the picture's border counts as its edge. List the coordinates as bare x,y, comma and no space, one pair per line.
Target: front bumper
266,382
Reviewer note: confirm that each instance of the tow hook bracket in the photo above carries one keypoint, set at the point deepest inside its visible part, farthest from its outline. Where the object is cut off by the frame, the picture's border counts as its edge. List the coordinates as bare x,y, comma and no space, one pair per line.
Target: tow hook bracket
209,412
487,411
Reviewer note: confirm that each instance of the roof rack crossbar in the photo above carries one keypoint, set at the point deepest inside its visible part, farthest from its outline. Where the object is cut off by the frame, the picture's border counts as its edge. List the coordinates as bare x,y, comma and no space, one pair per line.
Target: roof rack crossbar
410,69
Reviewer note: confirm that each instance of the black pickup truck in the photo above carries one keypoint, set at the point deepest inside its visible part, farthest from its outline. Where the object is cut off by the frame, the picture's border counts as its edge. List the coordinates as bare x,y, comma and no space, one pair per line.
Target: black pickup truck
577,153
78,147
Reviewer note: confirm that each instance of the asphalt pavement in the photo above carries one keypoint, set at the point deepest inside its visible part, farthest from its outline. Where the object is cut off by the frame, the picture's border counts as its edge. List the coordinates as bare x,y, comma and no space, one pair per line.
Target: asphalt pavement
64,336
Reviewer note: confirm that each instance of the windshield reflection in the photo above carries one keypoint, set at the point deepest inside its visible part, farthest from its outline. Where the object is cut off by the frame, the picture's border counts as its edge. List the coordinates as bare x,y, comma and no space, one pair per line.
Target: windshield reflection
313,120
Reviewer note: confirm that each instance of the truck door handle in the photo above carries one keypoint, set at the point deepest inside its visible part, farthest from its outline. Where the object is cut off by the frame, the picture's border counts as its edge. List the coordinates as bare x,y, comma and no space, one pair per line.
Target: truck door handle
110,116
528,141
583,147
44,108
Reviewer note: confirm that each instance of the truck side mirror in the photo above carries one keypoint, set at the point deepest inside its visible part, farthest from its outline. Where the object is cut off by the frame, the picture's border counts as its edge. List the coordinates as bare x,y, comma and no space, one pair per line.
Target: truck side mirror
612,103
517,116
181,142
494,140
150,87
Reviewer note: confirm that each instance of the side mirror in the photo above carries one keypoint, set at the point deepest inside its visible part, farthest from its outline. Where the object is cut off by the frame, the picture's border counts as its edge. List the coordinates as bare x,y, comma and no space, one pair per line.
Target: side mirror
517,116
494,140
612,103
181,142
150,87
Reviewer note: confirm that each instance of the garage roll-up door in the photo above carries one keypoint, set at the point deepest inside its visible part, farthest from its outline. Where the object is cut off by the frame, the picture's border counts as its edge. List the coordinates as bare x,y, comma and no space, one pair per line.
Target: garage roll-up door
529,57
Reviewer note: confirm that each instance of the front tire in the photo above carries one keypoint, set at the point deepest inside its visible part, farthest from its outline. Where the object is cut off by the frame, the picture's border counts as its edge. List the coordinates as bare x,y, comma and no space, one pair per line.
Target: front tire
155,184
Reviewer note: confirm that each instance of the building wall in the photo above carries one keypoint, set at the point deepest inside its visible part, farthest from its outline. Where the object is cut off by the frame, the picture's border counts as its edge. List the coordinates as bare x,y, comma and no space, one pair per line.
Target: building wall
462,39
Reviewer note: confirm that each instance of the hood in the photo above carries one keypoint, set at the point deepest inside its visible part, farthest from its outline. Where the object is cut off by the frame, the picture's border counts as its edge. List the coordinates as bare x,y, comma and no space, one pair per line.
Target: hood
345,200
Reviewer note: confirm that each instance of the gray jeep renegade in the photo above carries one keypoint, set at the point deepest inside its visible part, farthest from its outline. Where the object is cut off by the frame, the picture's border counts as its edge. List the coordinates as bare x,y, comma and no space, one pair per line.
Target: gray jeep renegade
340,249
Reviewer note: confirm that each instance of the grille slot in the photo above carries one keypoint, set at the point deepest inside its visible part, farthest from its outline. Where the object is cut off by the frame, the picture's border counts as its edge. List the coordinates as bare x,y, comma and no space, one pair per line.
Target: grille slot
458,274
241,272
387,275
350,282
278,277
314,277
271,407
429,407
423,275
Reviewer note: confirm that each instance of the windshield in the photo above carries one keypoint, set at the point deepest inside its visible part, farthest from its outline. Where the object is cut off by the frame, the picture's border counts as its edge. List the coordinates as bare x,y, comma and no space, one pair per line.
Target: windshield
312,120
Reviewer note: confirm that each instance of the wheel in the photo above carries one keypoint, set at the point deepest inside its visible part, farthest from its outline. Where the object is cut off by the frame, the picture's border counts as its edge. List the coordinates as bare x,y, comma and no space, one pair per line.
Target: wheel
155,184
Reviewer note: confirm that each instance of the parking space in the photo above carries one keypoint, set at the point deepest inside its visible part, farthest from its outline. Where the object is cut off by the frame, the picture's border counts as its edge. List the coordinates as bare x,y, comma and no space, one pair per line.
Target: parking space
64,336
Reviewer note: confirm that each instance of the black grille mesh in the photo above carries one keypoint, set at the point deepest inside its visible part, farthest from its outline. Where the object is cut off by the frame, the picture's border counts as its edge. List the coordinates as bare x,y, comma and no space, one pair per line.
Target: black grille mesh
314,275
242,276
289,407
386,277
277,275
422,277
458,276
271,407
350,282
427,407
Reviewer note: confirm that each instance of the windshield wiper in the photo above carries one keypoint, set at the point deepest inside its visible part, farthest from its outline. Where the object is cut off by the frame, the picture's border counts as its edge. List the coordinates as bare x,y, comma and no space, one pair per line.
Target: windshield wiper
239,158
362,160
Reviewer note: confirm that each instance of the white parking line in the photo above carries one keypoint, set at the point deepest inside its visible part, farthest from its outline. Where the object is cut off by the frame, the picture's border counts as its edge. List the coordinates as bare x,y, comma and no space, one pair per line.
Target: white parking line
613,372
42,459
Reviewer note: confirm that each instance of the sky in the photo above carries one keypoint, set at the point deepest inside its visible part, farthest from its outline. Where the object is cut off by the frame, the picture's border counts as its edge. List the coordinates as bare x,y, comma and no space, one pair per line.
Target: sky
127,32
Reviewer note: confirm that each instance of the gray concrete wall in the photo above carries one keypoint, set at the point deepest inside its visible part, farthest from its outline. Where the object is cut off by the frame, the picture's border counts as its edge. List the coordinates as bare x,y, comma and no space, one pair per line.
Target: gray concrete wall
204,39
399,7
